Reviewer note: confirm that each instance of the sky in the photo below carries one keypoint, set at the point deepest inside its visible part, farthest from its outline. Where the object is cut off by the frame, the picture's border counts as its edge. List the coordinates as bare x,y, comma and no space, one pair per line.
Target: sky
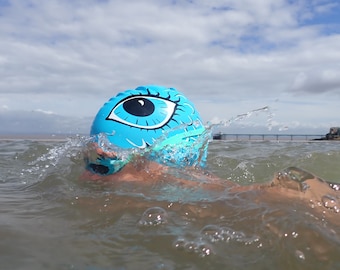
61,60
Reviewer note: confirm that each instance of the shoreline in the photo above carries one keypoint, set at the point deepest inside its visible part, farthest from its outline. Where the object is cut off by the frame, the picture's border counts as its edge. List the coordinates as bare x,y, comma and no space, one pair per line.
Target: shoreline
38,137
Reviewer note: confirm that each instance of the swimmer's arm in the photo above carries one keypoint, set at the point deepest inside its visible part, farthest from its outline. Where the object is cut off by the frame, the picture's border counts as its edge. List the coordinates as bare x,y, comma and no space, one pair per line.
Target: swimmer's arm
285,188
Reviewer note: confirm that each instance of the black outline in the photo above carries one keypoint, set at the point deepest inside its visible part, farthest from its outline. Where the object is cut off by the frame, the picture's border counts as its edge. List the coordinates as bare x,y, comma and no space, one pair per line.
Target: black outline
168,98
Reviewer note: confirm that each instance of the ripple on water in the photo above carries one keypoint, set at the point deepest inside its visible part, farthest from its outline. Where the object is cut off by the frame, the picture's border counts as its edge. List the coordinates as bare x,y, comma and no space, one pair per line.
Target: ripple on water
153,216
200,248
214,233
209,239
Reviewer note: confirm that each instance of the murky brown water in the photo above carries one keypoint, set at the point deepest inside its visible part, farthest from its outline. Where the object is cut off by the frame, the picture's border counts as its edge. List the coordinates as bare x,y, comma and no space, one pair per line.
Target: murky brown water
51,220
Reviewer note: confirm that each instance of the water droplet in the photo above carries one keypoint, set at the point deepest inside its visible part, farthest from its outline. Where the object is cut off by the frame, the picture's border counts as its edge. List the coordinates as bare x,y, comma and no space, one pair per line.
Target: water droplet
197,246
251,240
153,216
300,255
190,247
179,243
330,202
200,248
295,234
311,203
213,233
204,250
230,235
335,186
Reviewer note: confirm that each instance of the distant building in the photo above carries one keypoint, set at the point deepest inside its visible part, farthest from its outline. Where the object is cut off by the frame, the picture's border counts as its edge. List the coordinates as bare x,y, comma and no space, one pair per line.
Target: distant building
334,133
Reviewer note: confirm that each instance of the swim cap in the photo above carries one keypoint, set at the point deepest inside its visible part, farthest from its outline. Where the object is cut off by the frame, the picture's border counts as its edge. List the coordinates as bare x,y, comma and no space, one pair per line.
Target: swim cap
151,116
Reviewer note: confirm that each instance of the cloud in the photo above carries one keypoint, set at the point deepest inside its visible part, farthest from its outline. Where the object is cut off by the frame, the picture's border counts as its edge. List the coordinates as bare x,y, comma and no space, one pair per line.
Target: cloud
229,57
317,81
4,107
44,112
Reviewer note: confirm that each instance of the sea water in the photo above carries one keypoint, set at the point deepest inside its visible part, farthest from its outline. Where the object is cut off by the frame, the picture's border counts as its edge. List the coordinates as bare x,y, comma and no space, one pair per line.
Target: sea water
49,219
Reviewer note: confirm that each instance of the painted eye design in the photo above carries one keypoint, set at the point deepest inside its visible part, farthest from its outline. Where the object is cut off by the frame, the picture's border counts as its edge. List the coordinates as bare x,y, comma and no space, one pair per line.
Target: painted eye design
143,112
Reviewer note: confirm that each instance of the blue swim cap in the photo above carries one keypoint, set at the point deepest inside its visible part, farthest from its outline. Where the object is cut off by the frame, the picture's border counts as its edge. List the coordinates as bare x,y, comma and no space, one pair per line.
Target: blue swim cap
158,119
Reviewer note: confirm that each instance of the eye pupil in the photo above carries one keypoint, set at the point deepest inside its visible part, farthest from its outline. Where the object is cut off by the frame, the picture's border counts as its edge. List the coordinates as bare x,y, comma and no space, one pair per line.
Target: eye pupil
139,107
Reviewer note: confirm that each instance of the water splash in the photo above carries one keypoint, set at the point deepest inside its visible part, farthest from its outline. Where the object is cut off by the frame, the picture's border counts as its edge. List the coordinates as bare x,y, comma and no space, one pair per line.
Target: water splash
56,157
243,116
189,150
104,143
69,149
183,146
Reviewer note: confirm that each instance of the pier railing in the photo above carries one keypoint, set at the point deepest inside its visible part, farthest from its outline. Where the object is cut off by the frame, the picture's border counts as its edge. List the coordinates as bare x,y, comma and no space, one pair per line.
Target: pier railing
264,137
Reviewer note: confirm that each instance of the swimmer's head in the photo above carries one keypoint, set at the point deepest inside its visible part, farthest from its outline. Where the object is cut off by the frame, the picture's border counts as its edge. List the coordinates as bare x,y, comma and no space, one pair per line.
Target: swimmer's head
158,119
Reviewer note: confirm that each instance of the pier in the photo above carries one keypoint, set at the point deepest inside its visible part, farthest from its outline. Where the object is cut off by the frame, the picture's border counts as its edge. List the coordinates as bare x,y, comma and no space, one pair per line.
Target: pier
267,137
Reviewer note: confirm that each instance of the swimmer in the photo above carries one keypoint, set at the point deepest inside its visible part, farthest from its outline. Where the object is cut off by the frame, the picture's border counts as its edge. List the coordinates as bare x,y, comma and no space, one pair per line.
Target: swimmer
141,134
158,126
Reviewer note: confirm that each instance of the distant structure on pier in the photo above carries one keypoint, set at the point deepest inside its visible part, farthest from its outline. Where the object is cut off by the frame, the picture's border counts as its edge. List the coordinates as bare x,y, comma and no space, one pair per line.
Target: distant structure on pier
264,137
334,134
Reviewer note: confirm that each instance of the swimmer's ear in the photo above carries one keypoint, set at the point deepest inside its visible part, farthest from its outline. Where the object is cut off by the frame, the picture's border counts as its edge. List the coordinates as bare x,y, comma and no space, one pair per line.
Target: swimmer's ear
294,178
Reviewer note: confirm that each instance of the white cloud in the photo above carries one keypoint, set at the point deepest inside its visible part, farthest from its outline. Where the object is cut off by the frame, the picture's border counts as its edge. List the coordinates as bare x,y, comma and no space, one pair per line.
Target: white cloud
4,107
317,81
229,57
44,112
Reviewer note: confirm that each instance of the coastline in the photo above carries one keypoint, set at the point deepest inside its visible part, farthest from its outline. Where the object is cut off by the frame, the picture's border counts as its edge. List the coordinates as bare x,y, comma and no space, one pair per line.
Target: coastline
37,137
229,138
